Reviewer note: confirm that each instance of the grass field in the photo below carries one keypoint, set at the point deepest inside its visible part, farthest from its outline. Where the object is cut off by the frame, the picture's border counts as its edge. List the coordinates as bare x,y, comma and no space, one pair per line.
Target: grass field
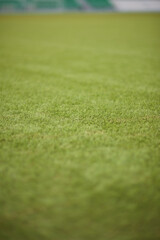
80,156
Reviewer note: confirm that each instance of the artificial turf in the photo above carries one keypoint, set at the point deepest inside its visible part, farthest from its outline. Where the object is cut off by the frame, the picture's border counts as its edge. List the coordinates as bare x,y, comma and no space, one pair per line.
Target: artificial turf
80,156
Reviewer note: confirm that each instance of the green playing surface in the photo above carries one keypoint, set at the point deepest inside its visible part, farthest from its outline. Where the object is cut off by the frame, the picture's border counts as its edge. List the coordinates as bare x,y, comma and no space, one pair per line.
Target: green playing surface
79,155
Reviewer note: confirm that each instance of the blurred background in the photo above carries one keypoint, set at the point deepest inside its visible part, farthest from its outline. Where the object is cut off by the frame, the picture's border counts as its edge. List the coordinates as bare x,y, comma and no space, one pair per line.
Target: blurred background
7,6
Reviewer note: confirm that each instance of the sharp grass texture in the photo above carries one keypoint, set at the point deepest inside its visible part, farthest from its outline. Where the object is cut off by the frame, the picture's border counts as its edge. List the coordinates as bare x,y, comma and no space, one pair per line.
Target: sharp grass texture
79,127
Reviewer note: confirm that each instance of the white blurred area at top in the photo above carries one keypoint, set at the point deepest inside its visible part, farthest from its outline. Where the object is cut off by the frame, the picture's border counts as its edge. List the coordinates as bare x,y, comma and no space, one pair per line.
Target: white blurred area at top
136,5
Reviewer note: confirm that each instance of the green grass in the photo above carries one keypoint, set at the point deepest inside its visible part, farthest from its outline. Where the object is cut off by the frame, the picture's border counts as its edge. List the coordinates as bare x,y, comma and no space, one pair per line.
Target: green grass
79,127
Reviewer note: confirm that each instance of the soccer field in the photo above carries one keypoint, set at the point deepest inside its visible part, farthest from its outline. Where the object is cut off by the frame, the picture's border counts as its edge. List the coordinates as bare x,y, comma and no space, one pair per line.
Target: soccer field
80,118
